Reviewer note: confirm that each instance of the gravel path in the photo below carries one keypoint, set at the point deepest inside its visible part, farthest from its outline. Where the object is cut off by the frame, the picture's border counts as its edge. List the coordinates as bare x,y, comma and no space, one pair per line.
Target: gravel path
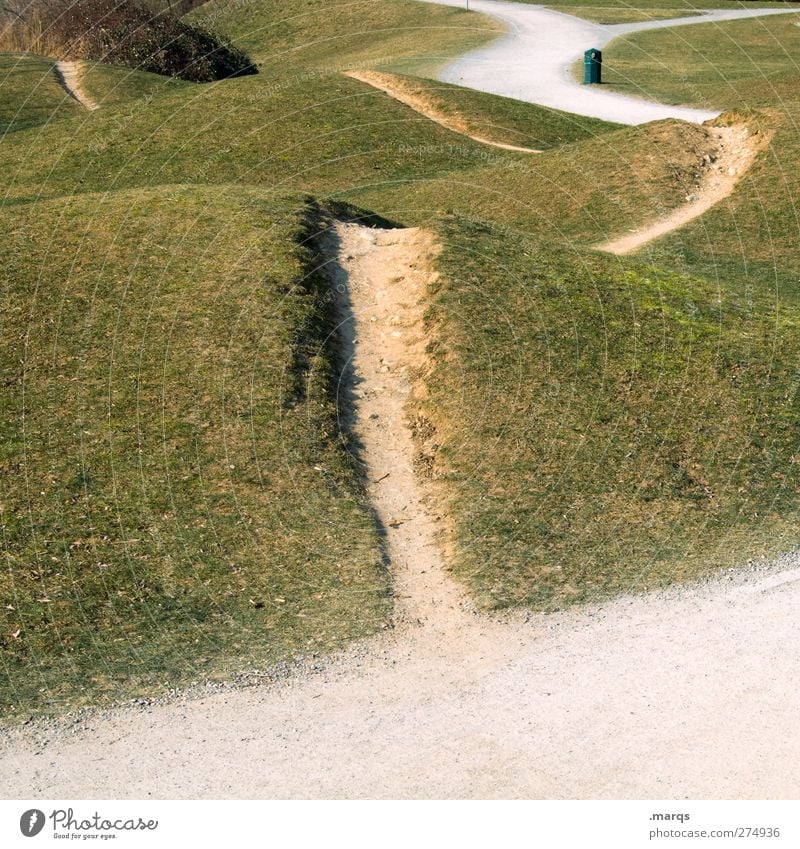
686,694
690,692
532,61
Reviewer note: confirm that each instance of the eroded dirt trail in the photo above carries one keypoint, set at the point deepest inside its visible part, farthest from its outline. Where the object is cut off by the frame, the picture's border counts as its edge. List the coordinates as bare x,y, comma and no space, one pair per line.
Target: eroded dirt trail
380,277
400,90
70,75
734,153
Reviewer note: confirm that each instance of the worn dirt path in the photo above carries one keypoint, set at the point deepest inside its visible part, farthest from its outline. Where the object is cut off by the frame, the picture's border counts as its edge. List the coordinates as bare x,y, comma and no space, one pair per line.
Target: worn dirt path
533,60
392,85
735,152
70,75
686,693
381,279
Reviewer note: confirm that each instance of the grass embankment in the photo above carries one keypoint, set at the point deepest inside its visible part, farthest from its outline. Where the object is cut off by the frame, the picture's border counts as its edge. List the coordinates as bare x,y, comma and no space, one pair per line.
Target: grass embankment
110,85
30,94
749,67
732,65
498,119
604,427
175,500
581,194
403,36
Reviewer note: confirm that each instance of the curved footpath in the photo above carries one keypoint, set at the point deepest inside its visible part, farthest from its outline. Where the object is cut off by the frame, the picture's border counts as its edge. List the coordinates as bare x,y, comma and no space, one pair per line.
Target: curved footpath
533,60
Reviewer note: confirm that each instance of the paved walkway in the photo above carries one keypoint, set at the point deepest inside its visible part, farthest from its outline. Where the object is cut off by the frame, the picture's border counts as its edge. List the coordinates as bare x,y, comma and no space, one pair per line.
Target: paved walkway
532,61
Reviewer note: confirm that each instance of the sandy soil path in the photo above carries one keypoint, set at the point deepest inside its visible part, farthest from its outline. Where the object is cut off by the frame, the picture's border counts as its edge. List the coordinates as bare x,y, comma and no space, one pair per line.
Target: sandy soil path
381,279
70,75
734,154
686,693
532,61
391,85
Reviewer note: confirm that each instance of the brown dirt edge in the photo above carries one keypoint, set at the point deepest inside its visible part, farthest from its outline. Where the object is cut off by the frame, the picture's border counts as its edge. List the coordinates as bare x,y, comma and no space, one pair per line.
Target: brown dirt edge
401,91
70,76
381,278
732,150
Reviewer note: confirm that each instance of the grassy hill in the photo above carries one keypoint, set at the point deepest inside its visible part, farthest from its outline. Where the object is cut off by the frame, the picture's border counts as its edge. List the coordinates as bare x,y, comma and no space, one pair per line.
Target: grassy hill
177,500
30,94
750,67
310,36
602,426
738,65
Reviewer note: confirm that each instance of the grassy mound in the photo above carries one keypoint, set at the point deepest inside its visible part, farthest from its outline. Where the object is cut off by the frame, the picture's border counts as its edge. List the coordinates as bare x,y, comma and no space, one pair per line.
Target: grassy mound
30,94
602,185
176,503
320,38
738,65
747,66
600,427
499,119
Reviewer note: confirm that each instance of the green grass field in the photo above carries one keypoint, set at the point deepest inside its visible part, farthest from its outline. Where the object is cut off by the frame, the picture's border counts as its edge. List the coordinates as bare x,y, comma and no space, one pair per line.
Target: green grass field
748,67
177,501
605,427
623,12
31,96
740,65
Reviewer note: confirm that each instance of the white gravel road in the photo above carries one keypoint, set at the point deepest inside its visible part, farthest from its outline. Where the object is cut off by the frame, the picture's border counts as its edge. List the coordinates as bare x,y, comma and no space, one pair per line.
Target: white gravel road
532,61
688,694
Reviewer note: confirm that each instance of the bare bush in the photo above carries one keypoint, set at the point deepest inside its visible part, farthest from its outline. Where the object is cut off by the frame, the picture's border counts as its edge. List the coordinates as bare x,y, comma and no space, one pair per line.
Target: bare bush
125,32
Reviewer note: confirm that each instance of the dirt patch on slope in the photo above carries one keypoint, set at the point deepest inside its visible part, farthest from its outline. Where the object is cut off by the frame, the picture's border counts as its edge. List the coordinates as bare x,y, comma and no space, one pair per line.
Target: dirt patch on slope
418,101
380,278
731,152
70,75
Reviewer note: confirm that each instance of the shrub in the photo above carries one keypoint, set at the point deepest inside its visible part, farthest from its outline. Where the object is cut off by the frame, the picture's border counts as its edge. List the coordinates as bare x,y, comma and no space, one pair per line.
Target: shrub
131,33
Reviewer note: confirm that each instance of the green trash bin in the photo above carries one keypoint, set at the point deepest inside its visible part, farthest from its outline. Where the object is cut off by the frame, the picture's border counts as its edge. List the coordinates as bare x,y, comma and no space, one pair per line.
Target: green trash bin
592,63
